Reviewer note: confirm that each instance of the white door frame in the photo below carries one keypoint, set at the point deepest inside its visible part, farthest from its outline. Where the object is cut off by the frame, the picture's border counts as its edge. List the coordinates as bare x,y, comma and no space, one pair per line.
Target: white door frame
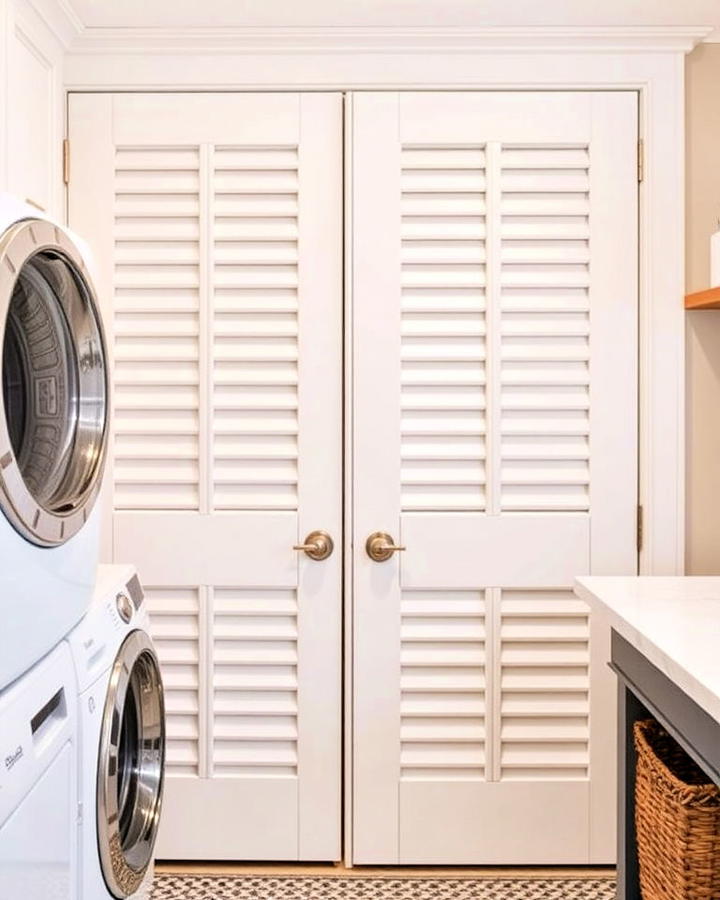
647,60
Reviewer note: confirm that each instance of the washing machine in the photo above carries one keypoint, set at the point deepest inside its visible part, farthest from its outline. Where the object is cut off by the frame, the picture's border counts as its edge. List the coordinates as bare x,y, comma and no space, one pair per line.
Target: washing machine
122,739
53,434
38,782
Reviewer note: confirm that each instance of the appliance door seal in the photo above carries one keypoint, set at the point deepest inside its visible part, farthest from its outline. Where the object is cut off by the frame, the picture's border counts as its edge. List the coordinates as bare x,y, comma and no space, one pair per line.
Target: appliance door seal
130,766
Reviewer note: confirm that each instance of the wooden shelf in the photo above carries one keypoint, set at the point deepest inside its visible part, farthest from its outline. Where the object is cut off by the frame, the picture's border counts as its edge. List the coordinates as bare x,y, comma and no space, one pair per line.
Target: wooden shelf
709,299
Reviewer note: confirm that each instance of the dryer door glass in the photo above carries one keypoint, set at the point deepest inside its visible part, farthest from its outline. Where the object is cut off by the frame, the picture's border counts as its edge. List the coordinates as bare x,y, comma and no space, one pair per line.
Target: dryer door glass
130,768
53,387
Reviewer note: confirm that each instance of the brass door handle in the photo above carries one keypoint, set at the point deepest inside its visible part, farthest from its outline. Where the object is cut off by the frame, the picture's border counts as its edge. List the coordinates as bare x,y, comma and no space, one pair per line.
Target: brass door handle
318,545
380,546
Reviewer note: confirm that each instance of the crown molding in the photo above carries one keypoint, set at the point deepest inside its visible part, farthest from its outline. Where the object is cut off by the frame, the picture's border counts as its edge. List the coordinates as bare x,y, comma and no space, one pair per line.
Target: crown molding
60,18
262,41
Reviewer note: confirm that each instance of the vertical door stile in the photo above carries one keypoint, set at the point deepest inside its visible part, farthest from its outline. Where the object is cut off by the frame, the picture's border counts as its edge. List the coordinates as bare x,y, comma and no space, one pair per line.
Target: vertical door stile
205,468
493,693
493,426
348,482
376,449
614,334
205,672
493,328
613,392
205,337
95,154
320,455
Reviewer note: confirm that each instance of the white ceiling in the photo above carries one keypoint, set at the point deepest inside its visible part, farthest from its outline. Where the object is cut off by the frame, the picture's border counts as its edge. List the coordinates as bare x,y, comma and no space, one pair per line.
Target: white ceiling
393,13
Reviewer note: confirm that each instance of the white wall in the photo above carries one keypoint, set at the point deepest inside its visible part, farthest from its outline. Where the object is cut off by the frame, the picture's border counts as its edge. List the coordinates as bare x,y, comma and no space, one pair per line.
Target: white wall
703,327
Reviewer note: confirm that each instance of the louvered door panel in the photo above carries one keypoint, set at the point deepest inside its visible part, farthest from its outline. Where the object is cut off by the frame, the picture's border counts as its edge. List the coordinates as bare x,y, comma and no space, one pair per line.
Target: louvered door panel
216,221
255,342
545,328
494,437
247,725
177,629
443,328
442,681
156,327
544,686
255,683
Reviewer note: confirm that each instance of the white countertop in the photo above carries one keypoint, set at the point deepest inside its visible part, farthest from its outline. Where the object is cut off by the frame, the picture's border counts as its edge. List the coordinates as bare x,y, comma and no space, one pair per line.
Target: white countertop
673,621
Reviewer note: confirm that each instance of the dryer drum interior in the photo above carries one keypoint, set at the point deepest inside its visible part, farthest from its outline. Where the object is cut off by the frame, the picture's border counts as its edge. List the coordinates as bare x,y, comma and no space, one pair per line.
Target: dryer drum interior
54,384
130,766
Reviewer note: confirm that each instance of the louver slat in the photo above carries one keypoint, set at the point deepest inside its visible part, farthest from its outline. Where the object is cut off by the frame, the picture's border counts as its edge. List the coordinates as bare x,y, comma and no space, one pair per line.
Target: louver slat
255,328
443,329
156,325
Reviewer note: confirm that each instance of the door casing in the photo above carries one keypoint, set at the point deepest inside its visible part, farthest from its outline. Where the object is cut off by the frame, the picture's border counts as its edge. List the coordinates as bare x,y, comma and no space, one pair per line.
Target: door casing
650,62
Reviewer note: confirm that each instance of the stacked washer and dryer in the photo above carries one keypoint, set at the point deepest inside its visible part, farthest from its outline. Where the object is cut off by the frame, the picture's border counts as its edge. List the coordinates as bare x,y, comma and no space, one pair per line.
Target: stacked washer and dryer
82,733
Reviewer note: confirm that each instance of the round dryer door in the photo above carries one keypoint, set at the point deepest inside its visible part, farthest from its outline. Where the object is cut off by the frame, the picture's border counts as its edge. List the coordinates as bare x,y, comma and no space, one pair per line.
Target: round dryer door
130,766
53,422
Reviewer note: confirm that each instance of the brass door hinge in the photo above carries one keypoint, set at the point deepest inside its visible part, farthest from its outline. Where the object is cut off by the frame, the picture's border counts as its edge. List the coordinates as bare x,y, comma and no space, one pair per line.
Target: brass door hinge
66,161
641,160
639,528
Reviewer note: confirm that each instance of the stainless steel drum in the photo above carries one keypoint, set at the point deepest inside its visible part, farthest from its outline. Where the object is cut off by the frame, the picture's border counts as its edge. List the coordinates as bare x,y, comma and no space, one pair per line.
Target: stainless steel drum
53,422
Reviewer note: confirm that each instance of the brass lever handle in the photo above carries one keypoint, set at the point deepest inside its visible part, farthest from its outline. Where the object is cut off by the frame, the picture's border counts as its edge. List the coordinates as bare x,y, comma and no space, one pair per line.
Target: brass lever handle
318,545
380,546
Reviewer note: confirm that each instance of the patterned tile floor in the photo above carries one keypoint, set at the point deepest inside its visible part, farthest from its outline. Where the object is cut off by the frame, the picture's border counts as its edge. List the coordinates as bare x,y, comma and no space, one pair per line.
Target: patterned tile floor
229,887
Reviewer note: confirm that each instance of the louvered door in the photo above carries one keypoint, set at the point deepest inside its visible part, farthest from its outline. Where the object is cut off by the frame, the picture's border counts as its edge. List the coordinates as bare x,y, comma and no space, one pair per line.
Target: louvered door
216,223
495,381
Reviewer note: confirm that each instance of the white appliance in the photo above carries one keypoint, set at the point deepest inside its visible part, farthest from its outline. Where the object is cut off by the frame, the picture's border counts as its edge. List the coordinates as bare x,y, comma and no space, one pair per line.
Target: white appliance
122,739
38,782
53,427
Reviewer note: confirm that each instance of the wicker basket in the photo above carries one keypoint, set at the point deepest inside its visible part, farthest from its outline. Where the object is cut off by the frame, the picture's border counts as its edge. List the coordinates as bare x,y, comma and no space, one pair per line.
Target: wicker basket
677,820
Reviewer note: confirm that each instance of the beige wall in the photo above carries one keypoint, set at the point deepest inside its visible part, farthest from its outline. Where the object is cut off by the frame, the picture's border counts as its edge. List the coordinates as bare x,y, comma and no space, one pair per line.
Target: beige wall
703,328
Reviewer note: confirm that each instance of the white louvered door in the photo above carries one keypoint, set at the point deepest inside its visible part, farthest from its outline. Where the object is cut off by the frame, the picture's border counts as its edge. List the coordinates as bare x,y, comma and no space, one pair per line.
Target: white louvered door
216,223
495,381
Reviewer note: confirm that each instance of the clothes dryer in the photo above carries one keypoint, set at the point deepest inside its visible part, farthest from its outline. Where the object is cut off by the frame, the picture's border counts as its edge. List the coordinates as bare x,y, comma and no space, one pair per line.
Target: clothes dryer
53,433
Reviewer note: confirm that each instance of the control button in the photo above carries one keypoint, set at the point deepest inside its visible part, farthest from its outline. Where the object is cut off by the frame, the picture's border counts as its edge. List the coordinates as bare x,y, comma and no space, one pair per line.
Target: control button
124,607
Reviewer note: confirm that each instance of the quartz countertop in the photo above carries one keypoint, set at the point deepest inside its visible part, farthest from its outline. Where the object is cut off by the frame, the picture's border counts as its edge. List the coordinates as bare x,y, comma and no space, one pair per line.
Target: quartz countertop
673,621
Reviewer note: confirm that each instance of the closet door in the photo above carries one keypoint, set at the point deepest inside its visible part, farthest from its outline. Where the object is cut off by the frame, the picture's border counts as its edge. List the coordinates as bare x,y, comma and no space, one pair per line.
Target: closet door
495,438
216,223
